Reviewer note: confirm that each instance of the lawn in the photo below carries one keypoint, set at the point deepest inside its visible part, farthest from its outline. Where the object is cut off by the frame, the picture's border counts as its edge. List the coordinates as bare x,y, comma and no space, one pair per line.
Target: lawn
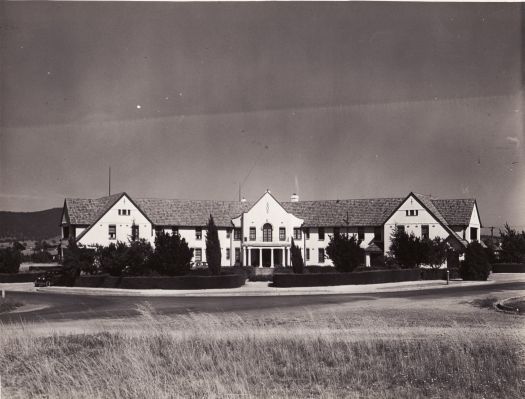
310,354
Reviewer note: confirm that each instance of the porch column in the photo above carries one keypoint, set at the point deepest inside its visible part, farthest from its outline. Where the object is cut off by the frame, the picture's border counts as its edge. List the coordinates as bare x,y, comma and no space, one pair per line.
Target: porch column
271,257
260,257
284,261
247,256
367,259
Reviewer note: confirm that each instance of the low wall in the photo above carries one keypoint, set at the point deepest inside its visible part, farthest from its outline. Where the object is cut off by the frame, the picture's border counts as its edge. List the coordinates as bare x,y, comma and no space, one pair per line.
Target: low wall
508,268
18,277
330,279
166,283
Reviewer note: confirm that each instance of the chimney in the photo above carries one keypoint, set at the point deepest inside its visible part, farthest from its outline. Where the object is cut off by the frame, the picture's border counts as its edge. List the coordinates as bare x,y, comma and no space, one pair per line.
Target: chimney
294,198
243,199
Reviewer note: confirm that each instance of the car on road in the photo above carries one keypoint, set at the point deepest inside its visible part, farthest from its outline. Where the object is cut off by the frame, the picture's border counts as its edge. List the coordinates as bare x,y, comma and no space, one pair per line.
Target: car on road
49,278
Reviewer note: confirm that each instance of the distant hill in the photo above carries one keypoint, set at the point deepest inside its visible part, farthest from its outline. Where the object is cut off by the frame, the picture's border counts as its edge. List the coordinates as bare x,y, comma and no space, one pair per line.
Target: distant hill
39,225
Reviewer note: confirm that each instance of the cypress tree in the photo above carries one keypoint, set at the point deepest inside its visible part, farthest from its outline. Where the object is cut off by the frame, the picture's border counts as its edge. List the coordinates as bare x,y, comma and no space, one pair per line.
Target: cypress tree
297,259
213,247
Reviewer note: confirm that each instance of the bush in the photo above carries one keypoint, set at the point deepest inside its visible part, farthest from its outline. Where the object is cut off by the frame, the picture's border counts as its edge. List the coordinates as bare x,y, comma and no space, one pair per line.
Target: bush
297,259
408,250
345,252
10,260
508,268
172,256
77,259
213,248
435,252
476,265
512,245
331,279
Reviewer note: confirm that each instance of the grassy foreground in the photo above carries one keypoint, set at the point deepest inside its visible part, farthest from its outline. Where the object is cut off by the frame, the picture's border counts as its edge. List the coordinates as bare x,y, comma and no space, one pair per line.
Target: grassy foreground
205,356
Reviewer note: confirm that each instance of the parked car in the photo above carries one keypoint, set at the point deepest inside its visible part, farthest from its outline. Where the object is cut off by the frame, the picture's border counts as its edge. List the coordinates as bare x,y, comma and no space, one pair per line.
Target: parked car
49,278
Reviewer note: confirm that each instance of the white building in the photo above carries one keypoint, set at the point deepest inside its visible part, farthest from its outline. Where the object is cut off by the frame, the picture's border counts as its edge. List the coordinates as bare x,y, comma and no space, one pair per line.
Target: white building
260,233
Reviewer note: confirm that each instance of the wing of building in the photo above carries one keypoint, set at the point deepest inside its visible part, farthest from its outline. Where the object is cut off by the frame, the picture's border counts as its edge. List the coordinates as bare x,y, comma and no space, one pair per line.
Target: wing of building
260,233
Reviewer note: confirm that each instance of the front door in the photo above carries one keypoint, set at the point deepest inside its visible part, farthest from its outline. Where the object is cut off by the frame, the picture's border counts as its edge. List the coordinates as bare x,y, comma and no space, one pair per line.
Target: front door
254,254
266,257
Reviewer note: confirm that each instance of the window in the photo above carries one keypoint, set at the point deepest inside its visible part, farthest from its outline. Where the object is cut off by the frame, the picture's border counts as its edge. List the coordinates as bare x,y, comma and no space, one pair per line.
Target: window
297,233
175,230
267,232
120,212
124,212
400,227
307,233
198,233
425,231
307,253
159,231
411,212
360,233
134,232
237,255
227,253
377,233
473,234
321,255
198,254
228,233
337,231
112,231
252,233
282,233
321,233
237,234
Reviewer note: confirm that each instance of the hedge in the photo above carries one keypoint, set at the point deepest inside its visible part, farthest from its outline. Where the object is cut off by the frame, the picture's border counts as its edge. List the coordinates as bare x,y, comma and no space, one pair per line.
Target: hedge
433,274
508,268
166,283
329,279
18,277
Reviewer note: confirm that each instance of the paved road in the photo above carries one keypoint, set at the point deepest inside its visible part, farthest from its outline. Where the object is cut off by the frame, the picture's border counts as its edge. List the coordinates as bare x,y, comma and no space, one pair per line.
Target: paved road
86,307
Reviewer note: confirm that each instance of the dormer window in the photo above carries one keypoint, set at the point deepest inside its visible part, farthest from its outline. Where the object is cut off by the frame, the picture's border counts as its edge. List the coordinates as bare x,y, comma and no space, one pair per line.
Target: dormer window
411,212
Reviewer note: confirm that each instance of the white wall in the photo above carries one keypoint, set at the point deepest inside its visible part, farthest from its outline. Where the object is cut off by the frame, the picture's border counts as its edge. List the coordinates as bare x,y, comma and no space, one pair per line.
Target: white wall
412,223
474,222
98,234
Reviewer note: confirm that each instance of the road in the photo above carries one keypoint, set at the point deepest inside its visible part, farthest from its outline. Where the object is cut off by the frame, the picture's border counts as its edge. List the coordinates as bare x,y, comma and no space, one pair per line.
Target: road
61,307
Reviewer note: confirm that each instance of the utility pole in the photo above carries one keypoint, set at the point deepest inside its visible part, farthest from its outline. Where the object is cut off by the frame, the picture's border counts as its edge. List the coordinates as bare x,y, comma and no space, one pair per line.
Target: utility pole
109,185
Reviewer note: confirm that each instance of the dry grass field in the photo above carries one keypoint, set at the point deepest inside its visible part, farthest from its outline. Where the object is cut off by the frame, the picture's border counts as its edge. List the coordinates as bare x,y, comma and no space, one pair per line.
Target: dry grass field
303,354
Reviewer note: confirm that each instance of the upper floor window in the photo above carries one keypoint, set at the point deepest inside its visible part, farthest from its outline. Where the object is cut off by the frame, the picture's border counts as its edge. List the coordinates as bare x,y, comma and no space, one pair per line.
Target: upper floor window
411,212
282,233
321,233
425,231
377,233
159,231
473,234
174,230
252,233
307,233
228,253
134,232
360,233
400,227
237,234
198,233
112,231
297,233
228,233
267,232
124,212
307,254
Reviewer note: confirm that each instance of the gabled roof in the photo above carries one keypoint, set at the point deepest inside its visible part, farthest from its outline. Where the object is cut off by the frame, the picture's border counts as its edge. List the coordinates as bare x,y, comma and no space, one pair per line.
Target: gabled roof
83,211
174,212
351,212
457,212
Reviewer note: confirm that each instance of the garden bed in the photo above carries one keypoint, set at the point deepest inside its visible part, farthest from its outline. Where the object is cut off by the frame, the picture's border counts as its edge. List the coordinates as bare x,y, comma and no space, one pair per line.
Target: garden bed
163,282
331,279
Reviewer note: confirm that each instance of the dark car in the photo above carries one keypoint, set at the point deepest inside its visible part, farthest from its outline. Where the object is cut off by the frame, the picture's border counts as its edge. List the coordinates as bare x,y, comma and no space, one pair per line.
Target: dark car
49,278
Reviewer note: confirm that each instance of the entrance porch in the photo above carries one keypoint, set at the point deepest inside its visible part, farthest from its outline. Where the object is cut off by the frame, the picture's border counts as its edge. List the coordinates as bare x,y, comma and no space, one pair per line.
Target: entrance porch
266,256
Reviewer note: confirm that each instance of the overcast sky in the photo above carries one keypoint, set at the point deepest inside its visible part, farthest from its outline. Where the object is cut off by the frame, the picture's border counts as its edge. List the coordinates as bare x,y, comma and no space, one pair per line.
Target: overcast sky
340,100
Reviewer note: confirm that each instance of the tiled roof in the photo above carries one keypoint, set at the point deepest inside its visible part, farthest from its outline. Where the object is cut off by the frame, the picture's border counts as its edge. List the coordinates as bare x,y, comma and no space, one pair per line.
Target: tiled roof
357,212
457,212
174,212
327,213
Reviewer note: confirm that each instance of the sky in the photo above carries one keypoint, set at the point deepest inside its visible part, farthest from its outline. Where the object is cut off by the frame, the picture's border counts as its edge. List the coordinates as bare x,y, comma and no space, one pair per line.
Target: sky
330,101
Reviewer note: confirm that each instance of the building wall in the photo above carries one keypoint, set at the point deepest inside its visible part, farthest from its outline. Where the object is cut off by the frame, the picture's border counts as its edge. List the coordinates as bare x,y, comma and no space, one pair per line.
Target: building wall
98,234
412,223
474,222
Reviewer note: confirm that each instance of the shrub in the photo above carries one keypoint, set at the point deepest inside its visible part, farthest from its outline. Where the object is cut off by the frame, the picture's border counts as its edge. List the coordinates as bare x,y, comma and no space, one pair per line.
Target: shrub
172,256
512,246
476,265
41,257
112,259
508,268
408,250
297,258
213,248
345,252
435,252
77,259
10,260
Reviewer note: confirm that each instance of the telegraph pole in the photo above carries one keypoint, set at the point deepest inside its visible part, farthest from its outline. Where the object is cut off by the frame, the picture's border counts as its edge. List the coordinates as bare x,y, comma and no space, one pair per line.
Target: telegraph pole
109,183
